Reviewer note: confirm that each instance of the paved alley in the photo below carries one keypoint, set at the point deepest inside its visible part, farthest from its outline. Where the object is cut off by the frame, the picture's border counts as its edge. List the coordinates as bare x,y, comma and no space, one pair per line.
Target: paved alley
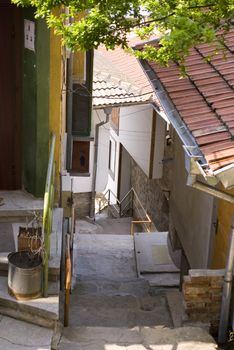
112,309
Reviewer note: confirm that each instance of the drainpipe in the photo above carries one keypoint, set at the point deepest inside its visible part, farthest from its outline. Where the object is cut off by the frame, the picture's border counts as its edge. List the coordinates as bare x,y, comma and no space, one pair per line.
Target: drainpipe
107,111
69,111
227,290
192,181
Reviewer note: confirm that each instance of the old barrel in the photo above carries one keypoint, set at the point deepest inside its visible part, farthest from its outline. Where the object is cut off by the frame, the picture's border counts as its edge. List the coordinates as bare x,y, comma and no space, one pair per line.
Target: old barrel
24,275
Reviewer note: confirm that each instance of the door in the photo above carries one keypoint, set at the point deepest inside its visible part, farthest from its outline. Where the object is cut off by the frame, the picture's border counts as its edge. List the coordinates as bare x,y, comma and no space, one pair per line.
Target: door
10,100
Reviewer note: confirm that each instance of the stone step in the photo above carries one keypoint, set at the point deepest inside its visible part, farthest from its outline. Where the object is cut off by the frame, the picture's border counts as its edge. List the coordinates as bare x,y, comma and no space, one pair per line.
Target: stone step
41,311
104,256
103,225
20,335
18,205
163,279
119,311
136,287
137,338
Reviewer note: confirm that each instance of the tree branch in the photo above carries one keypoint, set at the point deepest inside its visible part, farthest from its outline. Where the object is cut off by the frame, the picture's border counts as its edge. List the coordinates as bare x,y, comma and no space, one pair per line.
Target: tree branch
169,15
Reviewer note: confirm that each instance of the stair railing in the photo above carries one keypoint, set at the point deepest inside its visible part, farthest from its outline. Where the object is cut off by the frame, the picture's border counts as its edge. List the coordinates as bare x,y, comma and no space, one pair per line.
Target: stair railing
142,217
106,201
129,201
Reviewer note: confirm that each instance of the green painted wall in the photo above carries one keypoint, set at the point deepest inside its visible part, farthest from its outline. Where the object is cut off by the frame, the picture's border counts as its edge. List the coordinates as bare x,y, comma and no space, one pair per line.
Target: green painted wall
36,109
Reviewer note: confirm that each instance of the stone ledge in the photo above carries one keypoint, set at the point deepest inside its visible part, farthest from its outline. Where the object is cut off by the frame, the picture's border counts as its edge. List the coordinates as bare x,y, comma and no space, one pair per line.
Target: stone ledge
41,311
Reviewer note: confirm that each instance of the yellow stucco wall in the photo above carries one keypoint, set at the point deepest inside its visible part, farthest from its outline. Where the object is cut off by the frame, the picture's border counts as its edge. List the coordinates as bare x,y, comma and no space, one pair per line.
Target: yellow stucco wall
78,66
56,80
225,214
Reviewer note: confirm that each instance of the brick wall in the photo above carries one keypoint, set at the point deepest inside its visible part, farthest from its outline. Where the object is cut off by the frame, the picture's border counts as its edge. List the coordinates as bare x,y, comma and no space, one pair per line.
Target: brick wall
202,293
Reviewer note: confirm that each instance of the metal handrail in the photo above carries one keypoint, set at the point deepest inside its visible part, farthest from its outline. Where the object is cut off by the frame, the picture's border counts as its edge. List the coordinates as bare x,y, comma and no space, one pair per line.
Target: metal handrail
68,278
48,214
148,221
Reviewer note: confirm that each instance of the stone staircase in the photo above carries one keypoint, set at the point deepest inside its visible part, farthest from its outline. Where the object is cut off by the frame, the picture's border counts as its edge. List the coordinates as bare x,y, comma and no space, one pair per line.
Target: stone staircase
41,311
112,309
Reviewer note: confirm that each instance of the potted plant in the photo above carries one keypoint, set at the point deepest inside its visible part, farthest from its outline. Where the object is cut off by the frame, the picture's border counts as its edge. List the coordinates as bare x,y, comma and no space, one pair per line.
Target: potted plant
25,265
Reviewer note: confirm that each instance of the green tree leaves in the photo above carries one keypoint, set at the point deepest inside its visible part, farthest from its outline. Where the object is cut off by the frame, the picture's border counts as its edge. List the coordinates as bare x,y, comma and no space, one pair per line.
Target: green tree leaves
181,23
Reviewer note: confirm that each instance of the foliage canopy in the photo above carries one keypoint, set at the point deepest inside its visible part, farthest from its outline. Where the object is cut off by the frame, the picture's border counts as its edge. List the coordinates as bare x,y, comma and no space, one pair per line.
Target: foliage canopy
181,23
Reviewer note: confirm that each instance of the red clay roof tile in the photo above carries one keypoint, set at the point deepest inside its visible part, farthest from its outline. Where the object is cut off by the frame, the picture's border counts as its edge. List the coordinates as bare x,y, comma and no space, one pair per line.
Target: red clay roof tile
205,100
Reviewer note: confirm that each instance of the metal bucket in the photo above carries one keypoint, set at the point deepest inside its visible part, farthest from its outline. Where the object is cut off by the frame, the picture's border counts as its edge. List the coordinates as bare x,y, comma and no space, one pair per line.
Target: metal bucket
24,282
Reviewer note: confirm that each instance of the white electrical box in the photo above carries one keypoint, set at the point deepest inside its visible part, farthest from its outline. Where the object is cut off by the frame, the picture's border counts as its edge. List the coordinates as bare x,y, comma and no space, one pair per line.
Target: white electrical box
29,35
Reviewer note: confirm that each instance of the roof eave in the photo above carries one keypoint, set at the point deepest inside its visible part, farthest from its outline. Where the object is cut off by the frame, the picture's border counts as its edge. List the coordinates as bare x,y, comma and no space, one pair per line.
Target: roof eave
226,175
172,114
194,158
122,104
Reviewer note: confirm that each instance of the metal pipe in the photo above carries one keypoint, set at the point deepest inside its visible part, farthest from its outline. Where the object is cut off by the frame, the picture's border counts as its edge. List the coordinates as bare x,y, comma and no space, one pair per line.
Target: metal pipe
92,206
227,290
69,111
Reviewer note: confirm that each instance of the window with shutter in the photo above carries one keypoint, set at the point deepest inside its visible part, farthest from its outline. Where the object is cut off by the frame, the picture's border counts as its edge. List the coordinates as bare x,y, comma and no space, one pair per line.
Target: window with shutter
80,157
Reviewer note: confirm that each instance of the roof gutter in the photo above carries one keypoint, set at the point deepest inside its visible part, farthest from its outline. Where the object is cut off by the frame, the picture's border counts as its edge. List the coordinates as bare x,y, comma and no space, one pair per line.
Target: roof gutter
195,161
171,113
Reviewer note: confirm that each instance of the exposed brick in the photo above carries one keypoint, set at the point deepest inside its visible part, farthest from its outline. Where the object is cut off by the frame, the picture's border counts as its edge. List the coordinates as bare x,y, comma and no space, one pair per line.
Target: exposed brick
196,298
194,304
187,279
196,289
206,273
216,284
202,291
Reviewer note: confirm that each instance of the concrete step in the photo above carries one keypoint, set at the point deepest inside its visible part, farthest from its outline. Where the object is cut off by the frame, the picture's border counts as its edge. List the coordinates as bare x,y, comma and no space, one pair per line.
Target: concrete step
162,279
41,311
104,256
136,287
104,225
20,335
137,338
176,307
119,311
18,205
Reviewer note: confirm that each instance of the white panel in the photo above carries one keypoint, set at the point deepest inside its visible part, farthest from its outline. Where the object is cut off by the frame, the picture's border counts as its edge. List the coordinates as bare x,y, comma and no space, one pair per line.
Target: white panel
135,133
29,35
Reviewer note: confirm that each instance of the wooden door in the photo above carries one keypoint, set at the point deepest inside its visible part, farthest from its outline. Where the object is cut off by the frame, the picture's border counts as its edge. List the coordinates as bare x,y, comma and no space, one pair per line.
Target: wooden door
10,100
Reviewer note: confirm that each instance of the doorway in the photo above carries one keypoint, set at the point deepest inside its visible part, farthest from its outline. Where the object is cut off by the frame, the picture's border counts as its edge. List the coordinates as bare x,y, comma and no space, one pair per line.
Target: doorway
10,96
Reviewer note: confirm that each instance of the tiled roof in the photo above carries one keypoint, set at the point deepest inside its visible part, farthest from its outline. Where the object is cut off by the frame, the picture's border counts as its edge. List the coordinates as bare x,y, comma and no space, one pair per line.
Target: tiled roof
111,91
205,100
119,79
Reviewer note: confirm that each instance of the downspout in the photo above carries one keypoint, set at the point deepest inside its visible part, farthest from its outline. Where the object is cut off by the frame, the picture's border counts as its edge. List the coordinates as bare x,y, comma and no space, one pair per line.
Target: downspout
69,111
227,290
93,191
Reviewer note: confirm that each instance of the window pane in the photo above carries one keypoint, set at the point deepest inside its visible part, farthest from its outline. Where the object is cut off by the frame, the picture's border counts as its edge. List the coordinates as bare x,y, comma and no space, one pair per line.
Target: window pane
80,156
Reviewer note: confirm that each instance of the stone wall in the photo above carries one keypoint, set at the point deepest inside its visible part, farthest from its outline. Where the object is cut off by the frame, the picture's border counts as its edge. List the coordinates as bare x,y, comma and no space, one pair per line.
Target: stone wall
202,294
82,202
151,196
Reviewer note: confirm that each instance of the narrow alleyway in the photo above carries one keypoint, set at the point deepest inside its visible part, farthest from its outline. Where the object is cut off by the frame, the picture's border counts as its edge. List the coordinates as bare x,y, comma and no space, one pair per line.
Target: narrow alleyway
111,308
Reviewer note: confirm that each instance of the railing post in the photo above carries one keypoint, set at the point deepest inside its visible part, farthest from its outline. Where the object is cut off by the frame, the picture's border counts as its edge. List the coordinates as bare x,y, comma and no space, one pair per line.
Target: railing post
132,195
132,228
